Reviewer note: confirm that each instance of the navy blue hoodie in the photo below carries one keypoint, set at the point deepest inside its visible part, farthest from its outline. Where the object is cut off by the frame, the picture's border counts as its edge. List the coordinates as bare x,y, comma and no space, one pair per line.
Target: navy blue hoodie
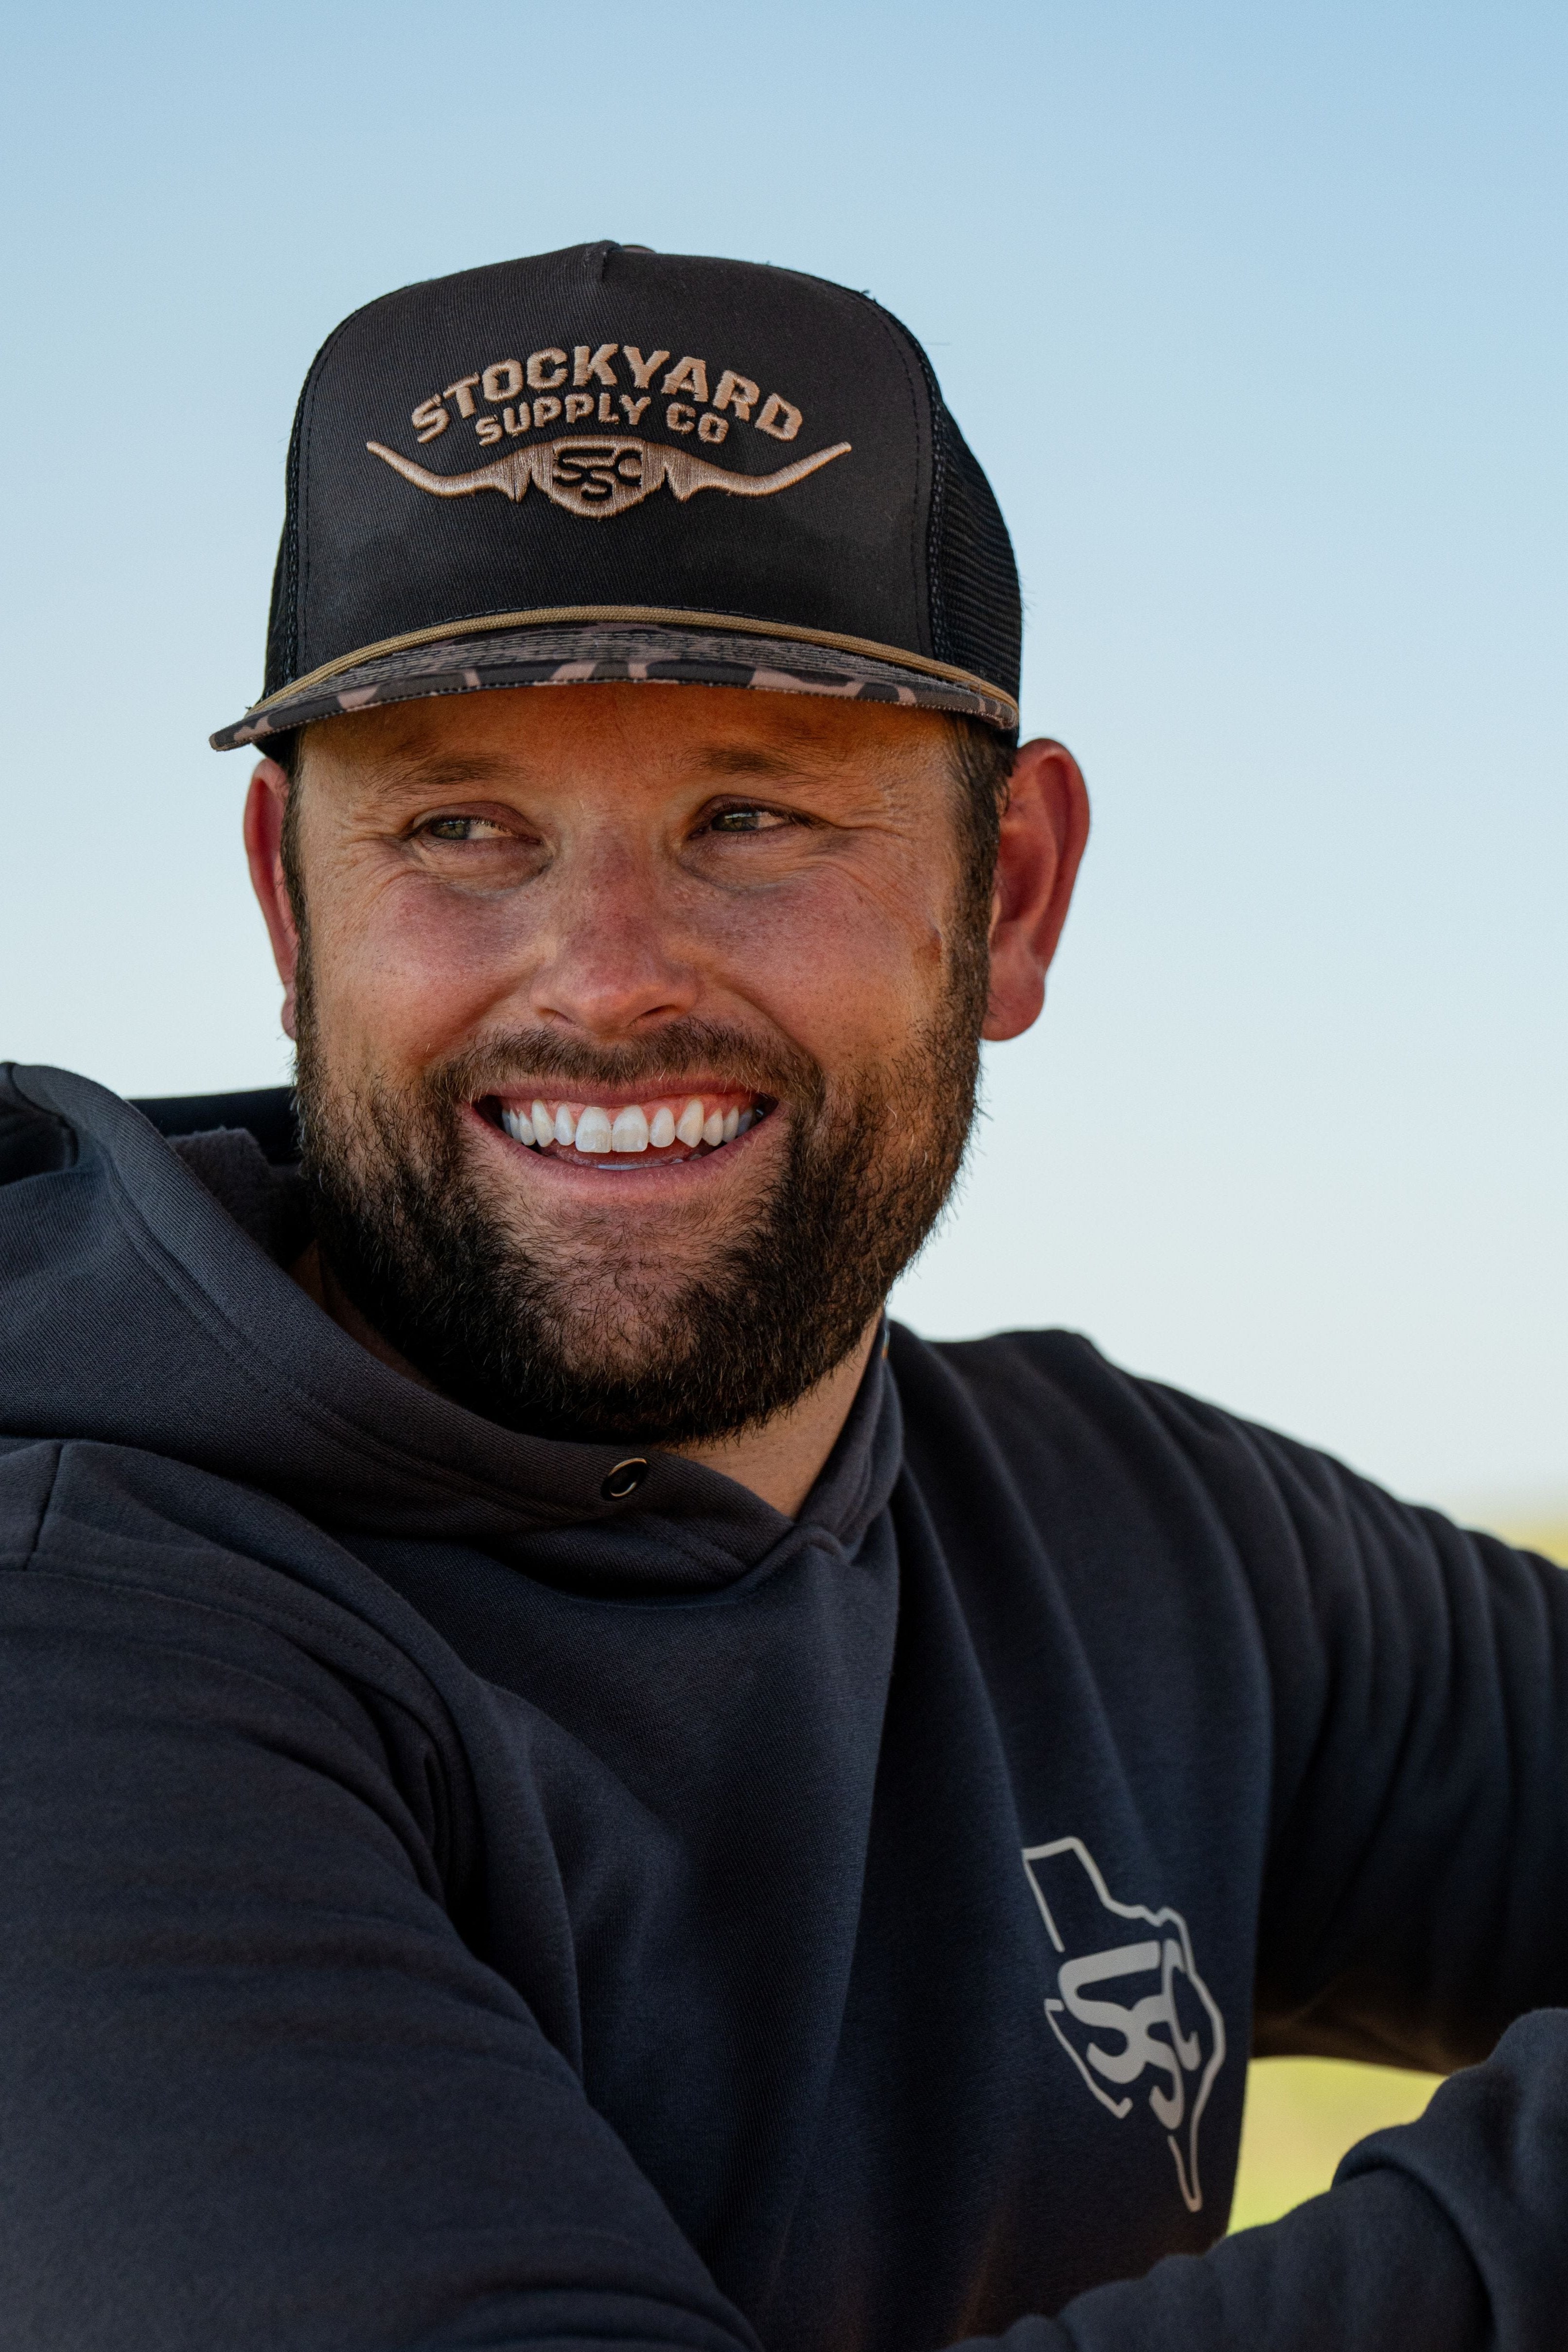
445,1908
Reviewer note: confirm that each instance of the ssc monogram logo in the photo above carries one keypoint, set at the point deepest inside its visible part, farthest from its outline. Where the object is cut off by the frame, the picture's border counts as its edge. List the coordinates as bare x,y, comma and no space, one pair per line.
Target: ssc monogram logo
599,475
1128,2005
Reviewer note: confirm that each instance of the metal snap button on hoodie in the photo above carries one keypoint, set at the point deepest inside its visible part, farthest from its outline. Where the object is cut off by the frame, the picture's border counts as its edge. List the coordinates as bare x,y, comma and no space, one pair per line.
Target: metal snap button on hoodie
623,1479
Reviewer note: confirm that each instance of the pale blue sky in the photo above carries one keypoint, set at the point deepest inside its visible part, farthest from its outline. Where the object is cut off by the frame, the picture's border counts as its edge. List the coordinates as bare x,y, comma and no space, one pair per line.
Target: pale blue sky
1255,316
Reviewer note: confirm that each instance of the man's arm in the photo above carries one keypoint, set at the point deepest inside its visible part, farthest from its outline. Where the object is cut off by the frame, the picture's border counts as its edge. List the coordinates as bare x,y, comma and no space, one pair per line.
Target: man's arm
1417,1902
256,2089
1416,1898
1445,2236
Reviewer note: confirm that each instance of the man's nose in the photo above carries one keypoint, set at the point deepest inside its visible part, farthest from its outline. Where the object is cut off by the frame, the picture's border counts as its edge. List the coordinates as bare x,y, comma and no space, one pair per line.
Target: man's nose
615,956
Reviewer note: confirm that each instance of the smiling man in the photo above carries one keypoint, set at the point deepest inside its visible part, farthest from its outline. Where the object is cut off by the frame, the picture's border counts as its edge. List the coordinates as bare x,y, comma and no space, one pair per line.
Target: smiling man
564,1784
638,1038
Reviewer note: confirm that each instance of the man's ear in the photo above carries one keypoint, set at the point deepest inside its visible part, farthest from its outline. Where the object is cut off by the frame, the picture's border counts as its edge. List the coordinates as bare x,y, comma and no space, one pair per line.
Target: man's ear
265,804
1044,830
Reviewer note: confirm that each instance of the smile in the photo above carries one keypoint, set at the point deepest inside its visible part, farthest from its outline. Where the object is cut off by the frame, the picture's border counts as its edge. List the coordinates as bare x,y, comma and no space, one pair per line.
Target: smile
658,1132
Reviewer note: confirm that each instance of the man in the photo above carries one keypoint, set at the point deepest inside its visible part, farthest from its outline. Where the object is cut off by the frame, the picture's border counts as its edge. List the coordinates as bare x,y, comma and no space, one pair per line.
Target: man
564,1784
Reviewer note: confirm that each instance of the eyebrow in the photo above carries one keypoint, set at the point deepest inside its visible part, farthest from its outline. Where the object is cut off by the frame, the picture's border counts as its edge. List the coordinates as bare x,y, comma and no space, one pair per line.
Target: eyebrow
446,773
753,760
451,772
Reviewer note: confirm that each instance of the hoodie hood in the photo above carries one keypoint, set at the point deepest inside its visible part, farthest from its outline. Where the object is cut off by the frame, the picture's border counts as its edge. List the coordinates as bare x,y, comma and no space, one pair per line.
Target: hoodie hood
144,1302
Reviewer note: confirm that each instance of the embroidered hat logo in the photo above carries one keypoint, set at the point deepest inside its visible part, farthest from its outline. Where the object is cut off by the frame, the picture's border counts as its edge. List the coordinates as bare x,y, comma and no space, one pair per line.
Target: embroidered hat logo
596,474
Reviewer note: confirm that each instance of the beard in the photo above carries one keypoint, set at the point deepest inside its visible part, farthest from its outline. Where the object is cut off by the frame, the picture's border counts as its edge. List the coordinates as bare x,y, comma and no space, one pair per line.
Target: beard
596,1332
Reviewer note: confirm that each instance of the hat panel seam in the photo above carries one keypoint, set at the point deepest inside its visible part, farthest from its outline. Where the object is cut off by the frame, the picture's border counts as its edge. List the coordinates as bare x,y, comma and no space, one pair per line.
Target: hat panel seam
302,488
941,632
282,619
902,341
294,476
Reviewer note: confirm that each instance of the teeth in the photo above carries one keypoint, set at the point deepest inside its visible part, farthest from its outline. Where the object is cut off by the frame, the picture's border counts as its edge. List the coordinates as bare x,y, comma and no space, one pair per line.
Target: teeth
593,1133
630,1130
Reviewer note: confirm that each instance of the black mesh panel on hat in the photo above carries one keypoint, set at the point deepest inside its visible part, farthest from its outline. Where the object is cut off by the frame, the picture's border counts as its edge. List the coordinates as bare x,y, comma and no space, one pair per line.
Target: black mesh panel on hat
282,619
975,577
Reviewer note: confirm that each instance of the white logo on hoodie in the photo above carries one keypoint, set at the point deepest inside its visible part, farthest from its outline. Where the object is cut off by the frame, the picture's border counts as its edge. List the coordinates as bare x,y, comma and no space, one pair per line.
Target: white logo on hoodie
1173,2027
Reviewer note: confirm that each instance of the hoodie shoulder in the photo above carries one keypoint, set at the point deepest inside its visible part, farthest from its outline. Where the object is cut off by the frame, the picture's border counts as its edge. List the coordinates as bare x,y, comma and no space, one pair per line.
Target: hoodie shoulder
123,1538
1130,1483
1052,1393
1031,1397
28,1468
33,1142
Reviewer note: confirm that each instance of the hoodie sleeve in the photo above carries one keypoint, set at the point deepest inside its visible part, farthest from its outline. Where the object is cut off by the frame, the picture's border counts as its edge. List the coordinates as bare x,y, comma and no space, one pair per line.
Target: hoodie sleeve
1445,2236
256,2089
1416,1901
1414,1912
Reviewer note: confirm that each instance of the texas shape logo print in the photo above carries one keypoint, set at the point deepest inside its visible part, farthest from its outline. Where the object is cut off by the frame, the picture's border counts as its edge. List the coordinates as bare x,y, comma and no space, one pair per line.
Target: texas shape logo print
602,474
1170,2030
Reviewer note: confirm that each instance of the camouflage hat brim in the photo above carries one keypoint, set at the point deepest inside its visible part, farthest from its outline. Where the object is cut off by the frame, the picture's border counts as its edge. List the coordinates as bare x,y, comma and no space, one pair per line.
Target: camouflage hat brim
601,653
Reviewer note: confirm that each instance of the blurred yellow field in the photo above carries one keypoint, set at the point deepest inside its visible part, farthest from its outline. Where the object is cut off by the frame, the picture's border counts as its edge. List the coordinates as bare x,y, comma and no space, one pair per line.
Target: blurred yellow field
1302,2114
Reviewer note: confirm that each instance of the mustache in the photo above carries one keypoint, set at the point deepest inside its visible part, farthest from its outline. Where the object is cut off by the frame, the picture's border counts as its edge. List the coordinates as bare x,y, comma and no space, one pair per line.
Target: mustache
673,1054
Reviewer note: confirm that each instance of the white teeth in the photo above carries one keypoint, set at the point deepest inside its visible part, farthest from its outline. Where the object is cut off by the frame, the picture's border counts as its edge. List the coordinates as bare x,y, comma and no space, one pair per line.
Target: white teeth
631,1129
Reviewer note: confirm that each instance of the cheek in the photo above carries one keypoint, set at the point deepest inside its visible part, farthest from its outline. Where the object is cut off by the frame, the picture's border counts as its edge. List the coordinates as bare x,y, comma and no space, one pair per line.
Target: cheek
848,964
410,973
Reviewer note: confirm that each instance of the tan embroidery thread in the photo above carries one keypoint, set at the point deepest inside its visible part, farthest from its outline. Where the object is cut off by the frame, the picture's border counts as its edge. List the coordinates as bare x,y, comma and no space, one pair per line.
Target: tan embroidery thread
604,474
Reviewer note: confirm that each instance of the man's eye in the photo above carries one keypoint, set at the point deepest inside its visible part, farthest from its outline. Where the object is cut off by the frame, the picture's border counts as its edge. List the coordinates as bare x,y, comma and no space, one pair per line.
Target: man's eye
748,820
464,828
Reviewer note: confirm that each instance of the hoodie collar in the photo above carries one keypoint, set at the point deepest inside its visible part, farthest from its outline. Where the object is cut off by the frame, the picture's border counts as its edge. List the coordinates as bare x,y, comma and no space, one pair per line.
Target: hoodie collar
145,1264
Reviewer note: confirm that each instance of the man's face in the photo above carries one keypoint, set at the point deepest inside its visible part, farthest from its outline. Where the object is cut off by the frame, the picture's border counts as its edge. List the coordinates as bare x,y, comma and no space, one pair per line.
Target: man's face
730,935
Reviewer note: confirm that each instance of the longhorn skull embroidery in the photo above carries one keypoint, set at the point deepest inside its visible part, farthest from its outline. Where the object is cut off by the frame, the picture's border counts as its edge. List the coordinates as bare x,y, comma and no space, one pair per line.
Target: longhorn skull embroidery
604,474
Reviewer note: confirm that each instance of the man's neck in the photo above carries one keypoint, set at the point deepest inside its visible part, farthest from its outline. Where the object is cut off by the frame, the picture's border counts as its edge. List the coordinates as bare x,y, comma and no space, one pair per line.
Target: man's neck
780,1461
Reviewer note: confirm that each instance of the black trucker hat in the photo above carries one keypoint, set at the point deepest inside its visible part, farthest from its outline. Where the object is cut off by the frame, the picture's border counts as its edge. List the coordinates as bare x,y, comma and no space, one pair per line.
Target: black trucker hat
612,464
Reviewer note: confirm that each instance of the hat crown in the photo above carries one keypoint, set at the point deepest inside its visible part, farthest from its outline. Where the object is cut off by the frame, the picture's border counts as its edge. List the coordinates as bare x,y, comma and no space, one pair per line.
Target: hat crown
606,436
